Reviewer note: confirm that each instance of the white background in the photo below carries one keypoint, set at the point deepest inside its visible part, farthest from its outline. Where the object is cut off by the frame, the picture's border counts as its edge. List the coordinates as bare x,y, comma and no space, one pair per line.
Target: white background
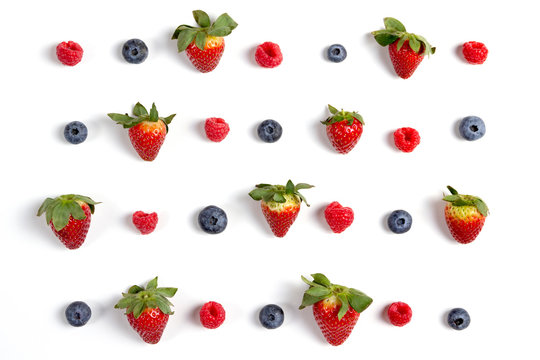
246,267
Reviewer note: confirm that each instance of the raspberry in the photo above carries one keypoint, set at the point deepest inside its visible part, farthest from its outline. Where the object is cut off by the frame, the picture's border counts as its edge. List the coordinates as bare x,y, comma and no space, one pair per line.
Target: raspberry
69,53
399,313
406,139
475,52
212,315
145,223
268,55
338,217
216,129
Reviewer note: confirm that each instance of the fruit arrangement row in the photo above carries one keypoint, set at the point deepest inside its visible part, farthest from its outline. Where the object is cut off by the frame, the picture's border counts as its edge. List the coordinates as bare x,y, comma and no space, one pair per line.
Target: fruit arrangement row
204,46
336,310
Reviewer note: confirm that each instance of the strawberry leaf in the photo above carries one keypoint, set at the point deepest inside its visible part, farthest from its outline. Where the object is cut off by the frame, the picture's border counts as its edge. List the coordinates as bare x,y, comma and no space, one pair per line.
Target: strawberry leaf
481,206
318,291
309,300
60,216
163,305
258,194
168,119
201,18
332,109
359,302
76,211
138,309
393,24
135,289
451,198
44,206
224,20
200,40
154,113
385,39
321,279
123,303
220,31
279,198
344,305
414,44
289,188
401,42
167,292
185,38
139,110
301,186
178,30
152,284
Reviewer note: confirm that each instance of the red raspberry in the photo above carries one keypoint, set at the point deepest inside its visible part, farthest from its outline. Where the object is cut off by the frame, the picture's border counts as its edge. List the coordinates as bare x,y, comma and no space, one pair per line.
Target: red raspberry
216,129
406,139
268,55
338,217
212,315
475,52
399,313
145,223
69,53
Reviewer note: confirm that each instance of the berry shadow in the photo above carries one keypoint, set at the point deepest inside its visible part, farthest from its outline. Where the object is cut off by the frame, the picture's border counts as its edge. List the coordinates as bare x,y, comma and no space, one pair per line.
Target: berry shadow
390,141
49,53
458,51
194,317
381,53
320,219
383,314
457,134
319,131
384,222
437,213
198,128
250,55
116,52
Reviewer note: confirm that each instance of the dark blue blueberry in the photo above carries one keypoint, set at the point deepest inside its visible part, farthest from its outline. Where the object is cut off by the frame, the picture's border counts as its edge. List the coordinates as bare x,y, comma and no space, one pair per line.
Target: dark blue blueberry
75,132
458,319
134,51
271,316
399,221
269,131
336,53
472,128
78,313
212,219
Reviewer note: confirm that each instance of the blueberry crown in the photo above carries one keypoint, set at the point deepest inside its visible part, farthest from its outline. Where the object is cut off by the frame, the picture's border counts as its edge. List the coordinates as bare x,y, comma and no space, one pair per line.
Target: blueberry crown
395,31
186,34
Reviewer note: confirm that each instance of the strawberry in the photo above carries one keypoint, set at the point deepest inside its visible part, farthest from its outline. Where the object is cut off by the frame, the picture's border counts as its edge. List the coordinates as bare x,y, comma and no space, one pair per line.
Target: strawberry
69,217
146,131
336,308
280,204
147,309
406,50
343,129
465,215
204,45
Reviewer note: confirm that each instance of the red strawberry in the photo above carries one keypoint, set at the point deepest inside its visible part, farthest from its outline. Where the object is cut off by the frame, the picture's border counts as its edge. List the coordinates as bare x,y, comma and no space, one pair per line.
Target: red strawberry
465,215
338,217
146,131
406,50
147,309
69,217
343,129
280,204
204,45
336,308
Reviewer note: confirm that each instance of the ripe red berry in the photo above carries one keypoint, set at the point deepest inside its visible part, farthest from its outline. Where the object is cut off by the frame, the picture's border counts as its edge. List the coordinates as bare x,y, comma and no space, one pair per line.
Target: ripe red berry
212,315
145,223
406,139
69,53
268,55
338,217
399,313
216,129
475,52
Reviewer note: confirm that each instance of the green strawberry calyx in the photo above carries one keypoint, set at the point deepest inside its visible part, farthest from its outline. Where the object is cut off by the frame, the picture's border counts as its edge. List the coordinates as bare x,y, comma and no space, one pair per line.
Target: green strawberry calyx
61,208
138,299
457,199
338,116
395,31
141,114
186,34
267,192
321,288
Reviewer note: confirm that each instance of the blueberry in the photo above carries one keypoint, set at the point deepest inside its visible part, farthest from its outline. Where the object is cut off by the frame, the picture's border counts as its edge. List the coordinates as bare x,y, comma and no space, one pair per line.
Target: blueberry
472,128
458,319
336,53
134,51
271,316
78,313
269,131
212,219
399,221
75,132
